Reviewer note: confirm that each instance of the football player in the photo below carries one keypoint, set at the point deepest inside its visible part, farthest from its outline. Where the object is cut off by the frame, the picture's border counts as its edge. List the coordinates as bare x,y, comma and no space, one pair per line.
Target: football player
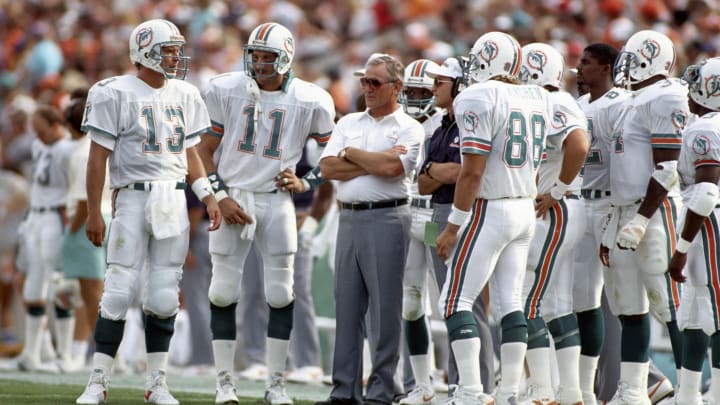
261,120
147,126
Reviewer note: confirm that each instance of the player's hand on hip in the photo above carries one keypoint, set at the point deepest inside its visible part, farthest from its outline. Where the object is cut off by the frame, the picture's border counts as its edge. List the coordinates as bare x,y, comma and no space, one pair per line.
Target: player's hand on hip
604,255
213,211
286,180
631,234
446,241
543,203
233,213
677,263
95,229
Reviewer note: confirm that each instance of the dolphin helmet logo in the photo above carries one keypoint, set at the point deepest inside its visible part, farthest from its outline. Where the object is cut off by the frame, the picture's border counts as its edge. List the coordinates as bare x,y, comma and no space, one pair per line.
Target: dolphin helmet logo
537,60
650,50
488,51
144,38
712,86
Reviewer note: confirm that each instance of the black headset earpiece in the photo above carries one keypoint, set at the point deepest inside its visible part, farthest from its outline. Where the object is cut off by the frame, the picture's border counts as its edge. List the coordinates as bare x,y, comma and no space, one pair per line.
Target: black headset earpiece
459,83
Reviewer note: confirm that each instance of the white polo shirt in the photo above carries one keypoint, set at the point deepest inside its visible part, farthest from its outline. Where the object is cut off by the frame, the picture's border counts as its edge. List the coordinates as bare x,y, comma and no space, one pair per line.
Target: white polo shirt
360,130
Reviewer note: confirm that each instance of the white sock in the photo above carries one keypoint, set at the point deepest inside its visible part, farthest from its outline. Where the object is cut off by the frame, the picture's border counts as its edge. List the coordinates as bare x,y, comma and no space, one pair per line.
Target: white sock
512,355
538,361
276,356
79,350
224,352
33,336
690,387
568,361
103,362
467,352
420,364
587,371
635,375
157,361
65,327
715,384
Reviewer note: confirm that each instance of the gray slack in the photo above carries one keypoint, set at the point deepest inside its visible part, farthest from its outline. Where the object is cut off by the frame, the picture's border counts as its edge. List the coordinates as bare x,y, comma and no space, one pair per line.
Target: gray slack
487,354
369,265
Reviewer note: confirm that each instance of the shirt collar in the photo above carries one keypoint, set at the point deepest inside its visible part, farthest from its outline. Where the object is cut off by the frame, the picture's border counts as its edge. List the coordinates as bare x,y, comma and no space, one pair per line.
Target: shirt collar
394,115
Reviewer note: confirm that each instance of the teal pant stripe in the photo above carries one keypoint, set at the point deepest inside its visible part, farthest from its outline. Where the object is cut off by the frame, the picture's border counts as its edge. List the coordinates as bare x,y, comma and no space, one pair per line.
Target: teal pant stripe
711,251
668,213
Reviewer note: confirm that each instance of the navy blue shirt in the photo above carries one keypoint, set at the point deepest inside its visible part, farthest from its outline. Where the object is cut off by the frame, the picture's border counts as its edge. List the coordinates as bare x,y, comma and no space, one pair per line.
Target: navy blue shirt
444,147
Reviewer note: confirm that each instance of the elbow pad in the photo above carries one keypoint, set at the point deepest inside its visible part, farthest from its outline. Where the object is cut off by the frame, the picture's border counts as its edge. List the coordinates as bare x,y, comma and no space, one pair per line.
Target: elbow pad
703,198
666,174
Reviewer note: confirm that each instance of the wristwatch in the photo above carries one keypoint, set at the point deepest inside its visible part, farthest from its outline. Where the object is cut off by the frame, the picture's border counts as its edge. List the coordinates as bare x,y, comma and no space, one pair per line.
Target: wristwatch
343,152
427,169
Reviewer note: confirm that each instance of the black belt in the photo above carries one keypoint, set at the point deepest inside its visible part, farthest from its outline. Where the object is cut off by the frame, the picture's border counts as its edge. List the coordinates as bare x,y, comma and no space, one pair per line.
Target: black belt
140,186
572,196
47,209
373,205
420,203
594,194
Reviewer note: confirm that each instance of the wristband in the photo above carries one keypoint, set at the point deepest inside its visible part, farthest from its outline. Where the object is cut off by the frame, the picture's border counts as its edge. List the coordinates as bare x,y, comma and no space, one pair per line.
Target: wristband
202,188
683,245
427,169
306,184
216,182
558,190
221,195
458,216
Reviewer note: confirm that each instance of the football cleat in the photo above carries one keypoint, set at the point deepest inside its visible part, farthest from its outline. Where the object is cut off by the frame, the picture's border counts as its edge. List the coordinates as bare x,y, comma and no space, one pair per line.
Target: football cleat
96,389
421,395
157,390
225,389
275,391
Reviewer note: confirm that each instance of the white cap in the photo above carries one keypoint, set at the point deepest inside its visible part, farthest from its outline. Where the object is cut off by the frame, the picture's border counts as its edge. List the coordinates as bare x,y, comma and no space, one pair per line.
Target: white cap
361,72
449,68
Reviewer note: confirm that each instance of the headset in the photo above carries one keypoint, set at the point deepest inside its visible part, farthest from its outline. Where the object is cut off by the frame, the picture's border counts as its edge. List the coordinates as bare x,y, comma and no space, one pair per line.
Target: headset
460,83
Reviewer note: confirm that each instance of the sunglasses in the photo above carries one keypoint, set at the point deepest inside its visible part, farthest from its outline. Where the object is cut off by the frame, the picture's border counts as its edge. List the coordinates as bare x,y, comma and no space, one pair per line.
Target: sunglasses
373,83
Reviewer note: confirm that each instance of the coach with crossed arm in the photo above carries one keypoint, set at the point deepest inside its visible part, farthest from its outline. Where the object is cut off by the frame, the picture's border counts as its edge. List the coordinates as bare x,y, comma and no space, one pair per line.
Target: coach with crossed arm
371,154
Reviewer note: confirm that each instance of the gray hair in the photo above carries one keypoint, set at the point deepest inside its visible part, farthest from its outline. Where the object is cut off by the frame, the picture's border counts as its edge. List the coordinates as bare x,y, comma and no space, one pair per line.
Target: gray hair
395,68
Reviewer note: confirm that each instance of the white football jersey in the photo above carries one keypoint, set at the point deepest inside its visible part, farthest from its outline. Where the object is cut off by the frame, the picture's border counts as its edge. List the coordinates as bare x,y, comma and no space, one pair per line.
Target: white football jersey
601,117
508,123
567,117
653,118
255,151
701,146
50,180
429,125
146,129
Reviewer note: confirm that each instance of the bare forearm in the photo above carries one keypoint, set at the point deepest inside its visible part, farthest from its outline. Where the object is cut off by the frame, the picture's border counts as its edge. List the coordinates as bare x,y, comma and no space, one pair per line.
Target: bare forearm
205,151
466,190
445,173
427,185
322,202
334,168
654,196
196,169
81,212
576,148
95,180
383,164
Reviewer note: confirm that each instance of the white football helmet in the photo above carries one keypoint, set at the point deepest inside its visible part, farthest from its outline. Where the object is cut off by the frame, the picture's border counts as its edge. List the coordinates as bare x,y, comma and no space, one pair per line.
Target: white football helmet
704,83
270,37
542,65
416,76
645,54
147,41
494,54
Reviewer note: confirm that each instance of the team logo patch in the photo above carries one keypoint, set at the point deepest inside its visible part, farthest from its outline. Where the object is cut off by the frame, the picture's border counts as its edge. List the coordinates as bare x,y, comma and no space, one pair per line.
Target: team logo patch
537,60
488,51
701,145
650,50
470,121
144,38
679,119
559,120
712,86
455,143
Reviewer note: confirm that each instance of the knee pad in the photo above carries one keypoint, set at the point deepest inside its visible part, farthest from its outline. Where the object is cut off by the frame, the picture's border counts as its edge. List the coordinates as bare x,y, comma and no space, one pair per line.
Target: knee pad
412,303
225,283
163,292
279,280
117,294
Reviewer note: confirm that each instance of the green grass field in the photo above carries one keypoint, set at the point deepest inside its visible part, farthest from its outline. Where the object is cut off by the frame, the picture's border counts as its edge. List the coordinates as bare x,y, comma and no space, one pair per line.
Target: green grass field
48,389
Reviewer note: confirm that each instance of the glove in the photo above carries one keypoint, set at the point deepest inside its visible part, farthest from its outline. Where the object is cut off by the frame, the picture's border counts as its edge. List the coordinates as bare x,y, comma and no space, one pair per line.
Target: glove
632,233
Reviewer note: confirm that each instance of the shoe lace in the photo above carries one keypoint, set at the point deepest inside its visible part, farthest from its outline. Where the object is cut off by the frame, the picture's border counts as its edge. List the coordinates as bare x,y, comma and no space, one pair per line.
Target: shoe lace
98,377
159,380
225,381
